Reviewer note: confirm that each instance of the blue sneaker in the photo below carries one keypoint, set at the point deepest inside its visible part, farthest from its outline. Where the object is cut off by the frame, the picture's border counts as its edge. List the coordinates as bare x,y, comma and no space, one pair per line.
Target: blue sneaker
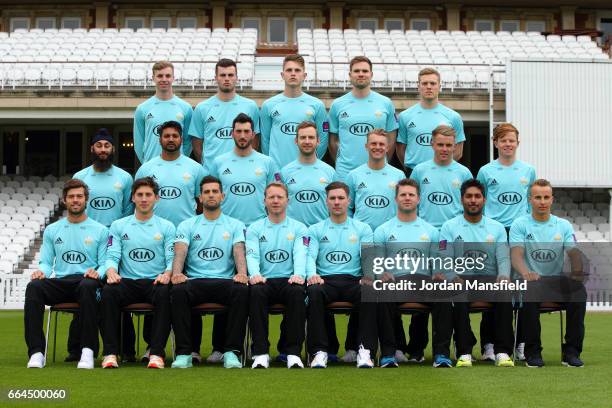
332,358
388,362
281,358
182,361
441,361
572,360
230,360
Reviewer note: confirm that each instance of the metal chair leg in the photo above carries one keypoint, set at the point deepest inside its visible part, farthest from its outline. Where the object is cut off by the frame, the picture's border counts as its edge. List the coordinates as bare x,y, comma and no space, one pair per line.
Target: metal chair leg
172,348
137,335
561,331
47,334
516,323
55,336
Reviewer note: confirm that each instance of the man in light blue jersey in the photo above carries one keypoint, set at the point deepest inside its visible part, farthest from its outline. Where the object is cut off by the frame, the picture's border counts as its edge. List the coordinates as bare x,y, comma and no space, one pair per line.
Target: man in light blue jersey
138,270
162,107
178,178
74,249
109,200
276,258
109,185
538,244
245,173
440,179
507,182
281,114
177,175
334,274
306,178
210,266
439,182
484,240
417,122
372,184
406,233
355,114
211,127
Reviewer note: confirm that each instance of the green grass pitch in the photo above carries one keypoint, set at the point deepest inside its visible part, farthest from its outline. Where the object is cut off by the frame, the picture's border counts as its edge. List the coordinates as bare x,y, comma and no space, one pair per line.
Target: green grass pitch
339,386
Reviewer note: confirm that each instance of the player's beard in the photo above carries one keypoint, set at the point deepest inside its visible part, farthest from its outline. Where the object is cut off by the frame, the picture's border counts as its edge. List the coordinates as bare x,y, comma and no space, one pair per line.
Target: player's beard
474,213
211,208
76,213
102,165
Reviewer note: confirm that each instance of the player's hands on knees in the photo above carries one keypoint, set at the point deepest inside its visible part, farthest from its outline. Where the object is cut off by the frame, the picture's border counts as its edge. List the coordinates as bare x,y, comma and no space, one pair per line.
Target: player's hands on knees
163,278
502,278
296,279
387,277
112,277
315,280
439,276
241,278
532,276
178,278
38,274
91,274
257,279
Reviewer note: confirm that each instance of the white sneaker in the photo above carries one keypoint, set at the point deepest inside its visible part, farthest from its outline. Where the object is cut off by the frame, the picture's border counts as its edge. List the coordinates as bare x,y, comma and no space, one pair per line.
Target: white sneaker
520,352
319,360
215,357
87,359
465,360
363,358
261,361
350,356
294,361
489,353
400,357
196,358
37,360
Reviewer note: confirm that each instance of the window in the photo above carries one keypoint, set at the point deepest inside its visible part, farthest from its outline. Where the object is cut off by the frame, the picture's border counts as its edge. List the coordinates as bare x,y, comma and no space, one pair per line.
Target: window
483,25
537,26
134,22
45,22
368,24
394,24
251,22
303,22
71,22
509,25
186,22
420,24
20,23
160,22
277,30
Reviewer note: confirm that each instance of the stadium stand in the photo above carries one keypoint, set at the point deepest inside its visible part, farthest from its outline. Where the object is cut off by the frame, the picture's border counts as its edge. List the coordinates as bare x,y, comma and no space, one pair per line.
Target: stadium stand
119,58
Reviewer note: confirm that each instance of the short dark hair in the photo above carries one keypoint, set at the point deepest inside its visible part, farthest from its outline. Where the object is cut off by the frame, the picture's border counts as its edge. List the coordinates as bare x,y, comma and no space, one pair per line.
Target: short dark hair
407,182
72,184
472,183
334,185
243,118
211,179
145,182
171,124
225,63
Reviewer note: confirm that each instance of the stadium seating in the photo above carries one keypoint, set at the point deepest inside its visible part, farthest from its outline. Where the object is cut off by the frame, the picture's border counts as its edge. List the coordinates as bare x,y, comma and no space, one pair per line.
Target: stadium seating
105,58
463,57
119,58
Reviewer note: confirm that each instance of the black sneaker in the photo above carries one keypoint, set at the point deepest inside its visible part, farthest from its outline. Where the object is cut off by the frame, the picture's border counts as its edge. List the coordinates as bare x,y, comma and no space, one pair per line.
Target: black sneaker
70,358
572,360
535,362
416,358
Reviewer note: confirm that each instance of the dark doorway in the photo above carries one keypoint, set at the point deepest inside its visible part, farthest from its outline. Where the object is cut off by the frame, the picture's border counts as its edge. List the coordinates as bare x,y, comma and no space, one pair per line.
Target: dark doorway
42,152
10,157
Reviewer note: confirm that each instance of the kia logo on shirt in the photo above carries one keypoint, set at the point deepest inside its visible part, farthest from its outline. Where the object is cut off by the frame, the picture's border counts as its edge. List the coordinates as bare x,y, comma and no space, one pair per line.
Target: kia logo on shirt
338,257
361,129
424,139
307,196
509,198
169,192
242,189
102,203
141,255
377,201
440,198
543,255
73,257
224,133
277,256
210,254
289,128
